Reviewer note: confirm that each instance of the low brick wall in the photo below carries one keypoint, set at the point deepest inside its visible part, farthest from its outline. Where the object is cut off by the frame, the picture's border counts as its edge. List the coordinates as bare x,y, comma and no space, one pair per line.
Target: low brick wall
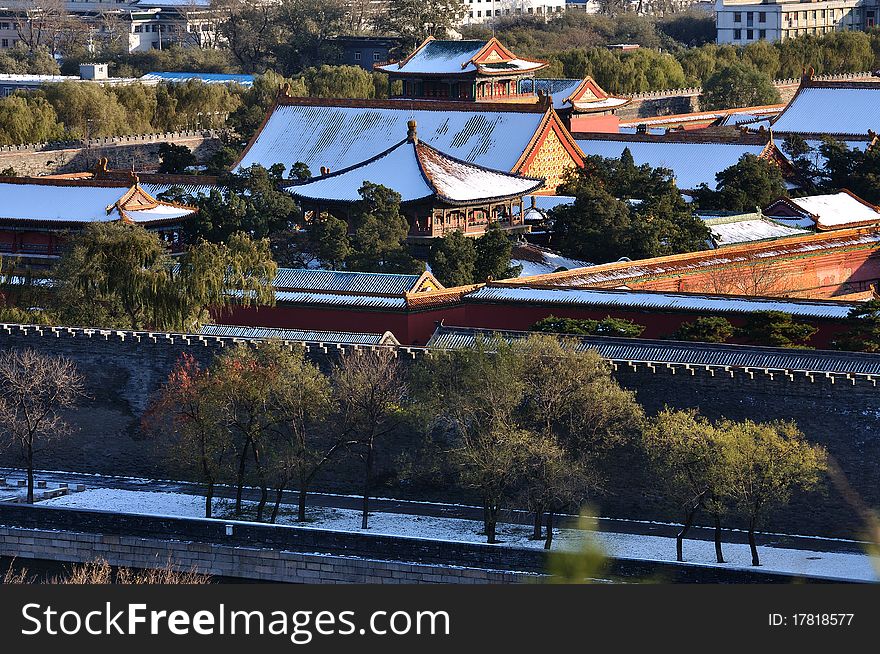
296,554
254,563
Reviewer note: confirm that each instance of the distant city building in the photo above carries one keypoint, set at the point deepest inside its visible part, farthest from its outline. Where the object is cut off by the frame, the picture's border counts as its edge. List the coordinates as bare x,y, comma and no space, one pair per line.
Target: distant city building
366,51
746,21
138,25
481,11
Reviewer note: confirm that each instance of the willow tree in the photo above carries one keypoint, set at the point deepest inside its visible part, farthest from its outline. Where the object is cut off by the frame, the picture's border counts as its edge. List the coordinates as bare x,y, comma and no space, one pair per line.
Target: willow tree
121,275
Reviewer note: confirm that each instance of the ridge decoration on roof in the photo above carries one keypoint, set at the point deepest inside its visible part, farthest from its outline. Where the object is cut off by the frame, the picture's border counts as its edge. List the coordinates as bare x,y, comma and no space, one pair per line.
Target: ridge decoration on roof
446,57
417,171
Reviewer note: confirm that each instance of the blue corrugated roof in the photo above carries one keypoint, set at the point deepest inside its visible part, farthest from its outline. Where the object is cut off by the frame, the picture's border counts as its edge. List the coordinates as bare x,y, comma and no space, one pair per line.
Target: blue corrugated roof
678,352
302,335
210,78
309,279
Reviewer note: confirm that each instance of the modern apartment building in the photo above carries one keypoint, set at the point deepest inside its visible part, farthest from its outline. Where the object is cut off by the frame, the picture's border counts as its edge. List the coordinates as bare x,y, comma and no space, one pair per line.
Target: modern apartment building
481,11
744,21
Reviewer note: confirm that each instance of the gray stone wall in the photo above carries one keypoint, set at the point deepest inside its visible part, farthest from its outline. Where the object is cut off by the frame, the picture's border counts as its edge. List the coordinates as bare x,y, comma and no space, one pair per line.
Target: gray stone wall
124,369
124,152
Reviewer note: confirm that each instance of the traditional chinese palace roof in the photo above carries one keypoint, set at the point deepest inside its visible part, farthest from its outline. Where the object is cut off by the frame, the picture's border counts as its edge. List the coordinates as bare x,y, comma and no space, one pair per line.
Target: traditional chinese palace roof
418,172
655,301
747,228
360,283
674,268
693,161
339,134
436,57
831,108
55,202
833,211
582,95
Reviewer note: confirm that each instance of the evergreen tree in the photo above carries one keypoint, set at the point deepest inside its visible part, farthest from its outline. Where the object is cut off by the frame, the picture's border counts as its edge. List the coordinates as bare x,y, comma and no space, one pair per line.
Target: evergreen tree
175,159
452,259
493,251
750,183
379,233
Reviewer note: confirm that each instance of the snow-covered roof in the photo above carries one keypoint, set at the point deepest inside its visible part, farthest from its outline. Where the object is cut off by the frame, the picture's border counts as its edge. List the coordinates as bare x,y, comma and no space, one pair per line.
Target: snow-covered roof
746,228
692,163
619,273
582,94
834,210
447,57
300,335
832,108
417,171
656,300
339,134
536,260
208,78
35,200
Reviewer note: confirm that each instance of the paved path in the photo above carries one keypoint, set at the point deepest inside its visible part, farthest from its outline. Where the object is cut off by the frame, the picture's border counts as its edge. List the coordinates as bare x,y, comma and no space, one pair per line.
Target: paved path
434,509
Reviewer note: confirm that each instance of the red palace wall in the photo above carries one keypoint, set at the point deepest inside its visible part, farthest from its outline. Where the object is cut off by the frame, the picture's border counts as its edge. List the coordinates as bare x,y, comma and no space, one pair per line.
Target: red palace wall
609,124
415,328
826,276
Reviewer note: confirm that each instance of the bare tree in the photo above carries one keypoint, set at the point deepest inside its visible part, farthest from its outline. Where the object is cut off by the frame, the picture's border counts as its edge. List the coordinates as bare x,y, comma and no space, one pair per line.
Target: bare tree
749,274
371,390
35,389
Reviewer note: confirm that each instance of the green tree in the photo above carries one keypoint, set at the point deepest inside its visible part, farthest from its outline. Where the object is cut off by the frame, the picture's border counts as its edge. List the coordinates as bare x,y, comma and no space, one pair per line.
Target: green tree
175,159
493,250
621,209
687,451
414,20
119,275
87,110
28,119
452,259
855,170
339,82
863,334
751,182
578,413
738,85
302,399
249,201
608,326
777,329
379,233
707,329
327,238
765,463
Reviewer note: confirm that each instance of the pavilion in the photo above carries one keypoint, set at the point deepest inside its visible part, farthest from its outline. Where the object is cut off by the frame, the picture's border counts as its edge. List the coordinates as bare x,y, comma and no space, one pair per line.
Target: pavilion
439,193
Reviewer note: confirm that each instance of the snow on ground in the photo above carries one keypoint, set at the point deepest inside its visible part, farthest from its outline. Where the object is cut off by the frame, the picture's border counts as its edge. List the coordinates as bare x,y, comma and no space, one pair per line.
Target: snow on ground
837,565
